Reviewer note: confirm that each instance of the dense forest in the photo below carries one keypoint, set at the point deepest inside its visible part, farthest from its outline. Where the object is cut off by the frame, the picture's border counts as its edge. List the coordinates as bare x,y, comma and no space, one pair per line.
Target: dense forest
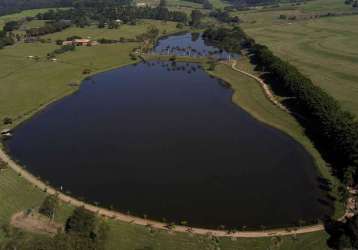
232,40
343,235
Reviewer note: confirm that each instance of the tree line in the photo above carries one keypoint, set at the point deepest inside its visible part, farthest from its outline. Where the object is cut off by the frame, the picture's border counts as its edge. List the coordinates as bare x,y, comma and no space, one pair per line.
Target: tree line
127,14
47,29
331,128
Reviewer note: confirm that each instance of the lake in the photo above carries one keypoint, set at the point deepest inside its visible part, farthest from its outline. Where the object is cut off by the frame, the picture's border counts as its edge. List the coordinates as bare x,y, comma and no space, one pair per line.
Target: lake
164,140
190,44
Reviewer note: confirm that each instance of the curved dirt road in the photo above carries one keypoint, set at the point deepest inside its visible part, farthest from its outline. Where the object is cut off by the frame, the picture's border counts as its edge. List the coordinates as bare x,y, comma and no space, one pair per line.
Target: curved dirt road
155,224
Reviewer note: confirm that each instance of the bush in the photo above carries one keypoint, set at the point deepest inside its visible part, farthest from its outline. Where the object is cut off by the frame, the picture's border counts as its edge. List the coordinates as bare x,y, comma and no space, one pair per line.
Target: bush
49,206
82,222
86,71
7,121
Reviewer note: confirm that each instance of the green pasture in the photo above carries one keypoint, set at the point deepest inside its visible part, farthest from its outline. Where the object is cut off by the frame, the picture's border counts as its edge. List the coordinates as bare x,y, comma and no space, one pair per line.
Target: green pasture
323,49
22,14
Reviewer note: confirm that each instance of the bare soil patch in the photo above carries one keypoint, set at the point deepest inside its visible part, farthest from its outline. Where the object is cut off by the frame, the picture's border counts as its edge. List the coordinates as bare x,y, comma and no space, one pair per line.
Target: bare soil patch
35,222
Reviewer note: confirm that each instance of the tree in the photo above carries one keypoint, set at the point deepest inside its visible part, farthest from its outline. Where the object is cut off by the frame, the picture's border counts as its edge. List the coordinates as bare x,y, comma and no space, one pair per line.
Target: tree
163,4
207,5
49,206
196,16
7,120
11,26
82,222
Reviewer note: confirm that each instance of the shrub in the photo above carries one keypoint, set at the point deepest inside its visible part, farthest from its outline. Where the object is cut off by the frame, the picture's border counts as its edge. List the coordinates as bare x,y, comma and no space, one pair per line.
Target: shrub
7,120
49,206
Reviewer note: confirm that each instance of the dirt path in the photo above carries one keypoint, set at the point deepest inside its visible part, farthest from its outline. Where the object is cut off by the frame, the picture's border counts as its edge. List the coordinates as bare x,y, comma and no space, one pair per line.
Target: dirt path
264,86
35,222
145,222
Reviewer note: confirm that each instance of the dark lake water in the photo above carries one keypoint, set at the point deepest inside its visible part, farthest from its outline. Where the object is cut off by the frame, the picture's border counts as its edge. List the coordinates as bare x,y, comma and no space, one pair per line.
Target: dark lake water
167,141
190,44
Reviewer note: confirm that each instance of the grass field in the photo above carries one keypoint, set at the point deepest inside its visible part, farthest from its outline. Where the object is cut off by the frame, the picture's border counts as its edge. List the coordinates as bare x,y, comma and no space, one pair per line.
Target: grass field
324,49
22,14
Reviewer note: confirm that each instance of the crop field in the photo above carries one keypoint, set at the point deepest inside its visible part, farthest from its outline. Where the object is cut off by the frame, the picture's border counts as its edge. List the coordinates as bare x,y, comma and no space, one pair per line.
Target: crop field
324,49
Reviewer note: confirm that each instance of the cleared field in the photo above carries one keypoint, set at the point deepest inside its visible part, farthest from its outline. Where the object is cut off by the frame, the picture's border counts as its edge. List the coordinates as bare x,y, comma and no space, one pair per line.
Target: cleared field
323,49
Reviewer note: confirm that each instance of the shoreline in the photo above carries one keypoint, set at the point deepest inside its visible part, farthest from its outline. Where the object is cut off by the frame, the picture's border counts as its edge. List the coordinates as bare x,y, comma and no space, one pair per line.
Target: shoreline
118,216
133,219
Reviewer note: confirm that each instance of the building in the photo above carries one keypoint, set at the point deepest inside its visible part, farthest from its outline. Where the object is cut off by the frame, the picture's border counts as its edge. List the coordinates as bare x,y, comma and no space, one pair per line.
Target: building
80,42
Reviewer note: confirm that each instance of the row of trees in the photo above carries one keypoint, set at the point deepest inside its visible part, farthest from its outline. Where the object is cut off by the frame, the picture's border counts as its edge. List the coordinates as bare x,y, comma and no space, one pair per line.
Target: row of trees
127,14
48,29
331,128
